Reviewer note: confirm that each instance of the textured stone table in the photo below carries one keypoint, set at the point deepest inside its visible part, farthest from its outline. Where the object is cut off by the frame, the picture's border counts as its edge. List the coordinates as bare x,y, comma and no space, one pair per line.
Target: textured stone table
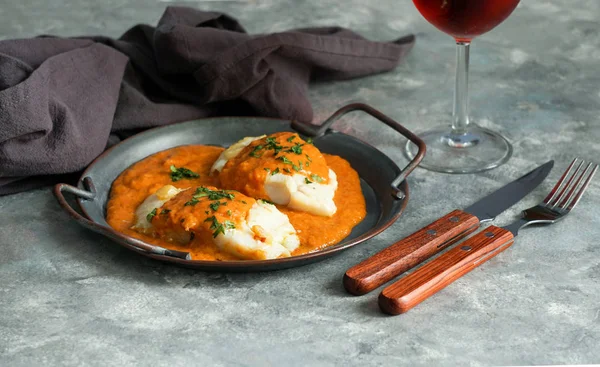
71,297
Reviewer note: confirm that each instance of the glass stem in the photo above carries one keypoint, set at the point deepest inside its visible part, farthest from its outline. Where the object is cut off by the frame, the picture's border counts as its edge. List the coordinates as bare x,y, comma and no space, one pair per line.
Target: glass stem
460,119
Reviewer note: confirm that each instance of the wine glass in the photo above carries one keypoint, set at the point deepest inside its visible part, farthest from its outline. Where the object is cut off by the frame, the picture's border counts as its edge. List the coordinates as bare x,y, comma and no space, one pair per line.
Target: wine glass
463,147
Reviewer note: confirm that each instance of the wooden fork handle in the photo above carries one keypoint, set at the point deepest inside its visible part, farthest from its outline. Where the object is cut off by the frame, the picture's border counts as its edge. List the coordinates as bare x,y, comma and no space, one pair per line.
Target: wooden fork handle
413,289
408,252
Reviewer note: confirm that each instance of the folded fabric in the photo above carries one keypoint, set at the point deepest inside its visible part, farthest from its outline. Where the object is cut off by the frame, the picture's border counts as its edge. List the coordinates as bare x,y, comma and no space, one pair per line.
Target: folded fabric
62,98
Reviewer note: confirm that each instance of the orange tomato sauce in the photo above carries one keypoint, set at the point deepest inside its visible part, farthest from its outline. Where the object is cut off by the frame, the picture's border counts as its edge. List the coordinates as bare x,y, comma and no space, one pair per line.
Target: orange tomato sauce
145,177
247,171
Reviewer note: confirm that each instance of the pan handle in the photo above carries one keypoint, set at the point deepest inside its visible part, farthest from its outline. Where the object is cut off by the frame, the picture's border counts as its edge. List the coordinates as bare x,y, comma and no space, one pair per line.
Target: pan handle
90,194
316,131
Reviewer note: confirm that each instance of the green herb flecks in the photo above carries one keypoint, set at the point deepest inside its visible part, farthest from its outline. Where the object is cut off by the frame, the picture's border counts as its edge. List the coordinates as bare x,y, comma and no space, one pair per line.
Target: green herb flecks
275,171
219,227
268,169
181,173
286,170
297,149
309,141
254,152
151,215
297,168
271,144
215,206
210,194
213,194
289,140
266,201
229,213
243,202
307,180
309,161
317,178
192,202
285,160
165,211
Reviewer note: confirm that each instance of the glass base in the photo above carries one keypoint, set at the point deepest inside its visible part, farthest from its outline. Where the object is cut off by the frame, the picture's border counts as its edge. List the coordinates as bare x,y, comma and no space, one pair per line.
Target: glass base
476,150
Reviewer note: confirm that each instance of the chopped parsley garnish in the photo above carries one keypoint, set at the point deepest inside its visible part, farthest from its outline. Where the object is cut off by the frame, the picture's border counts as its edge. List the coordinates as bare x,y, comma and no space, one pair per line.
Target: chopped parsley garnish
254,152
289,140
268,169
243,202
181,173
206,212
317,178
151,215
215,206
307,180
219,227
285,160
213,194
210,194
309,141
165,211
192,202
295,149
229,213
266,201
271,143
308,158
287,170
275,171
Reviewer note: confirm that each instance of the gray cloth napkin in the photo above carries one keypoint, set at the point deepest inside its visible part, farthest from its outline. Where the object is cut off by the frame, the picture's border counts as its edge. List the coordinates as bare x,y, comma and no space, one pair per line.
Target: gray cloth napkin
64,100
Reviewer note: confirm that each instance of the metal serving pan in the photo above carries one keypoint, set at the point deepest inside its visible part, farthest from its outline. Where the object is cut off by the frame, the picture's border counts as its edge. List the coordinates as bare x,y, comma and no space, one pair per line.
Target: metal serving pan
383,183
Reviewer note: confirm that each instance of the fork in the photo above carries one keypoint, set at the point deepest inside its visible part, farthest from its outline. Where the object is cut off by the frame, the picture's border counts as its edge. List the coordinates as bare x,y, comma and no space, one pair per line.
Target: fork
414,288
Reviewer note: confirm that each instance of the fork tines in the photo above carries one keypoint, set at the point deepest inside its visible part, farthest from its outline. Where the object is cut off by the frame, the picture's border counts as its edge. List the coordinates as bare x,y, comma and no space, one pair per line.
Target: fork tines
568,190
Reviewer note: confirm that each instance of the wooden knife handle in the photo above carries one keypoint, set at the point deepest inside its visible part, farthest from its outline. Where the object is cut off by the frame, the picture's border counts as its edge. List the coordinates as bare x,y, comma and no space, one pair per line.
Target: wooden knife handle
413,289
408,252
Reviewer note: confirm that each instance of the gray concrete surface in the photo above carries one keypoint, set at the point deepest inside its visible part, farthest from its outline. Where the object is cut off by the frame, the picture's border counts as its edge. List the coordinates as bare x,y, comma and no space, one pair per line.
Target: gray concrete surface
70,297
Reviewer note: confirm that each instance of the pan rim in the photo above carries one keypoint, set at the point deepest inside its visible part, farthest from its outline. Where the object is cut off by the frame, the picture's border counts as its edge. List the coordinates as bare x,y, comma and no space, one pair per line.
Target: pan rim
233,264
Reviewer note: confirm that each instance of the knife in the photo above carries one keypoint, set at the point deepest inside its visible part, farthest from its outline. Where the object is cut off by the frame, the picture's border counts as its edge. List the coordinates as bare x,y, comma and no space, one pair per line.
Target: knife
433,238
414,288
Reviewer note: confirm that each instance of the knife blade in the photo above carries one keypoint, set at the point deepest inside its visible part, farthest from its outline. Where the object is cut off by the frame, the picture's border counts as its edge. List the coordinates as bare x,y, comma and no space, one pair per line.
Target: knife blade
433,238
489,207
414,288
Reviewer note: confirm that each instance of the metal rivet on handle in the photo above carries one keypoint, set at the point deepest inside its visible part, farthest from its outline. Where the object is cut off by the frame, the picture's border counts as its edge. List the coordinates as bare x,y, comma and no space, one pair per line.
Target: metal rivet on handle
466,248
489,234
454,219
432,232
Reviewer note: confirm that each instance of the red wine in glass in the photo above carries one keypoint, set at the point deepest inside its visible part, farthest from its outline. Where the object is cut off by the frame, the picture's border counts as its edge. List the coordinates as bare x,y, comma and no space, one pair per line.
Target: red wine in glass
465,19
464,147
